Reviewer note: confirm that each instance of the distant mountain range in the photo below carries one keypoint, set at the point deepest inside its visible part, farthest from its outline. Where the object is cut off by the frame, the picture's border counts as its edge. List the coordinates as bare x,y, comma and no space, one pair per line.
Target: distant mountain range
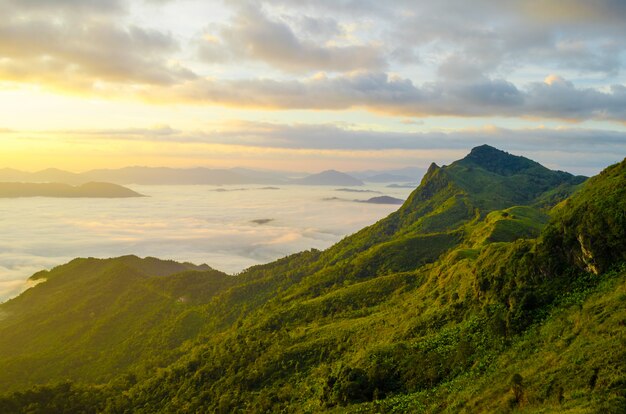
388,178
146,176
201,175
330,177
384,200
88,190
402,175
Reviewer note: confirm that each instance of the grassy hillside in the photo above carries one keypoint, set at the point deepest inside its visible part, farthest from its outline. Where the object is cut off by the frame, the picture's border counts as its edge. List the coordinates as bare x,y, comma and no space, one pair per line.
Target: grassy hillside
92,319
464,300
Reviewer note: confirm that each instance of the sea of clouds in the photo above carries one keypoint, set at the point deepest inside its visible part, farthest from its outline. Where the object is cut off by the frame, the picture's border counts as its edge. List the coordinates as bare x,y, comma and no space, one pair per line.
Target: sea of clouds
185,223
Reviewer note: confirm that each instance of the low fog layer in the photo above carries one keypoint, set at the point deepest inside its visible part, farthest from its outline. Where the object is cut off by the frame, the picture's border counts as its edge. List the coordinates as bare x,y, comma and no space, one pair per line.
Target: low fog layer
187,223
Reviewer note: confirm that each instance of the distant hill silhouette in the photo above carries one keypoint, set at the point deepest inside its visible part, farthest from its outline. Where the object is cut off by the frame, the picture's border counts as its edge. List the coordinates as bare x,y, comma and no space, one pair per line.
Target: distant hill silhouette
88,190
399,175
329,177
383,200
177,176
388,178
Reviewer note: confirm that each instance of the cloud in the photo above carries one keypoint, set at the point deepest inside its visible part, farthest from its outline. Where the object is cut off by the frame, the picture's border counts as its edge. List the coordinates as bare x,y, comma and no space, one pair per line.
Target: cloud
582,12
492,37
164,131
388,94
577,143
15,268
77,45
254,36
359,8
504,32
559,98
408,58
500,39
188,225
99,51
65,6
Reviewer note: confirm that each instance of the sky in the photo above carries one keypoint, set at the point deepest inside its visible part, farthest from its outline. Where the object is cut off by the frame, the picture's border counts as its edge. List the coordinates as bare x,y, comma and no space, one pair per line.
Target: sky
310,85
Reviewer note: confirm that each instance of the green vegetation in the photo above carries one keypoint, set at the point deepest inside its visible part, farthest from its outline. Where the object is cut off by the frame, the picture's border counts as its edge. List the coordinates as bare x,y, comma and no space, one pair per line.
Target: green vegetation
475,296
93,318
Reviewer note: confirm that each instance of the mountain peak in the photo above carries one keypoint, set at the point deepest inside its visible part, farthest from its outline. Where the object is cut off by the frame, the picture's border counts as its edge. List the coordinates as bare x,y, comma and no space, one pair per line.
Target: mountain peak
497,161
433,166
486,149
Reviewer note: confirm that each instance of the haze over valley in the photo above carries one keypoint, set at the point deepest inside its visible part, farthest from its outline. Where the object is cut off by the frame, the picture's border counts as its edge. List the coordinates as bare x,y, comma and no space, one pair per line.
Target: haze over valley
185,223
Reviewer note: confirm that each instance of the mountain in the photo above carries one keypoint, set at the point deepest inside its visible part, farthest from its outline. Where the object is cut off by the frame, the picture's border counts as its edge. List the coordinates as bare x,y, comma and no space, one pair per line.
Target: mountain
12,175
147,176
276,177
54,175
50,175
383,200
175,176
88,190
402,185
95,317
498,178
400,175
389,178
498,286
329,177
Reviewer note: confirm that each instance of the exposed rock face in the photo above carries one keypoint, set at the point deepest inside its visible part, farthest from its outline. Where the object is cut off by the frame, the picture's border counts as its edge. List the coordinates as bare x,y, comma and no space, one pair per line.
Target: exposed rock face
587,257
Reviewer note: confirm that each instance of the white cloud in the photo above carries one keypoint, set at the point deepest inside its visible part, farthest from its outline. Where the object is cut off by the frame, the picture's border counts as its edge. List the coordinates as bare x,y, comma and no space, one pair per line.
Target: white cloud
254,36
408,58
77,45
189,223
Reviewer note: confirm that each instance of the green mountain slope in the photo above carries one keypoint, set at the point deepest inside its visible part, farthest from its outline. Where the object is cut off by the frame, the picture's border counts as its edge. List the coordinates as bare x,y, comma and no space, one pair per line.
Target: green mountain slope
451,196
464,300
94,318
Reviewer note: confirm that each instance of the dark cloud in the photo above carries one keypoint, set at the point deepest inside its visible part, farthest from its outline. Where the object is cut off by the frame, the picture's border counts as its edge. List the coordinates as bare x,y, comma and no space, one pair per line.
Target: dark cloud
333,137
577,150
380,92
559,98
607,145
